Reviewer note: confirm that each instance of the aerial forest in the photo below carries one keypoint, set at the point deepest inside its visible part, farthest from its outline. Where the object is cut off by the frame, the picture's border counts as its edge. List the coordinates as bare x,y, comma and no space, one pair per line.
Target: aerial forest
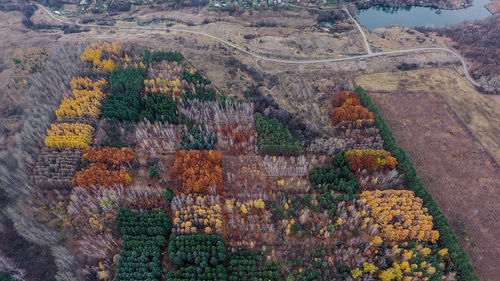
152,173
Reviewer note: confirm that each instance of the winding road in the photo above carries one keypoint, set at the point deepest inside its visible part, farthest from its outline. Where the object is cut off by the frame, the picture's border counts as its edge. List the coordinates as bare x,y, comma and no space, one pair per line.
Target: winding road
367,45
316,61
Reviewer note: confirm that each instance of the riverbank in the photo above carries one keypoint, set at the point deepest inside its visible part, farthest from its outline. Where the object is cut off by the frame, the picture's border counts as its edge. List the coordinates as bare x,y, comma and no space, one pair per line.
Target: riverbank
414,16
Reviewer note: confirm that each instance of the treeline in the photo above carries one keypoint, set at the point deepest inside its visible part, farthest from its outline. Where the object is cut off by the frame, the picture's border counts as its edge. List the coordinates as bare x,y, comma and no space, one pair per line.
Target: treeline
461,262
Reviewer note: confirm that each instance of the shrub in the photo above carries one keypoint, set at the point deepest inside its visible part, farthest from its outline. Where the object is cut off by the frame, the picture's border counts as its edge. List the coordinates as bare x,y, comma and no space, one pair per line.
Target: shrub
153,173
169,194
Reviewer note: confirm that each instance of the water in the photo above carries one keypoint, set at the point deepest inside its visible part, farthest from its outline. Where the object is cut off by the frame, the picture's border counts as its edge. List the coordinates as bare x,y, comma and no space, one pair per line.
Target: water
411,16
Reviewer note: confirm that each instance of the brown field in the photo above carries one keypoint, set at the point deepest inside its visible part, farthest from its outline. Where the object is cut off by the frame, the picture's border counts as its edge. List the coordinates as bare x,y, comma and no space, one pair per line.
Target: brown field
446,131
479,114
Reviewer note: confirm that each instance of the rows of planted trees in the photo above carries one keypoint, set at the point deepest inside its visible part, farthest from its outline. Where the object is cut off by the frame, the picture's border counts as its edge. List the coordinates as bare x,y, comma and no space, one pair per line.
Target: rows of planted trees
155,175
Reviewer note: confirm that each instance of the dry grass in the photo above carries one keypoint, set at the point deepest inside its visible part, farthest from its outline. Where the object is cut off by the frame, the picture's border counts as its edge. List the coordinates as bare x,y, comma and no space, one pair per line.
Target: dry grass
477,112
399,37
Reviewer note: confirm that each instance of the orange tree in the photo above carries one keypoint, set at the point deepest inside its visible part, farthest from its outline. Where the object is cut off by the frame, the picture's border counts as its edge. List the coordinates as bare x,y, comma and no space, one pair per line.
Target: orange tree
370,159
97,174
347,107
109,155
345,97
105,168
197,170
349,112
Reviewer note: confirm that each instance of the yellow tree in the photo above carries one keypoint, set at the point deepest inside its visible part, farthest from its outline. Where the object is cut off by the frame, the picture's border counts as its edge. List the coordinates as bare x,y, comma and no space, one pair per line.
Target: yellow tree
108,65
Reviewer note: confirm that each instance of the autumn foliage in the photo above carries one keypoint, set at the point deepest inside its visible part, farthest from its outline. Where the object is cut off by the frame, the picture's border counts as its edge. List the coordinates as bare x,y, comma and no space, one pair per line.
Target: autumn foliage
85,99
237,135
85,83
109,155
69,135
345,97
102,55
196,171
97,174
400,215
347,107
370,159
163,86
348,112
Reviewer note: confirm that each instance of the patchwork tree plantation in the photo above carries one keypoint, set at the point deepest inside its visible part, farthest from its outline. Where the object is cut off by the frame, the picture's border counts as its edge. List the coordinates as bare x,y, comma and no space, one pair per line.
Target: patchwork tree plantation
150,172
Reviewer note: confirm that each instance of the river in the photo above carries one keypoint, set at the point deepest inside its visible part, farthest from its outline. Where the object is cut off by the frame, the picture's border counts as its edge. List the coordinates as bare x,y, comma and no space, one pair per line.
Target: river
411,16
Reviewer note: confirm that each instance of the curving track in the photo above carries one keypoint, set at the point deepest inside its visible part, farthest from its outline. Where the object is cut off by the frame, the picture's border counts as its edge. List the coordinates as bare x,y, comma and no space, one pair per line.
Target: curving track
317,61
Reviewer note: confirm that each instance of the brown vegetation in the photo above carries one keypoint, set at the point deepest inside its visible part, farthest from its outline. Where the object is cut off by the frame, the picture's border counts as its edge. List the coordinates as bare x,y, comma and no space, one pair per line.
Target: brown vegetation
479,43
